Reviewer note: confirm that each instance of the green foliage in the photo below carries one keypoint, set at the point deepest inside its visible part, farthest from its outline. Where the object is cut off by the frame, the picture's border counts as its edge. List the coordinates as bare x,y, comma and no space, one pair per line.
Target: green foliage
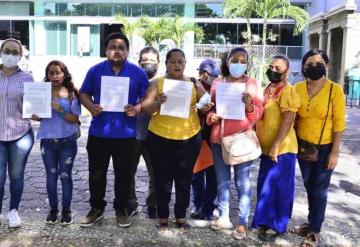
174,28
266,9
128,28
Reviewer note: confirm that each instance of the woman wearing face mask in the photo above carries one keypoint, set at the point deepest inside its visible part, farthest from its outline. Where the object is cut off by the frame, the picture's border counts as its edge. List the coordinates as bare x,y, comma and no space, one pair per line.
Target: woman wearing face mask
234,69
149,60
58,143
173,142
320,97
275,187
16,135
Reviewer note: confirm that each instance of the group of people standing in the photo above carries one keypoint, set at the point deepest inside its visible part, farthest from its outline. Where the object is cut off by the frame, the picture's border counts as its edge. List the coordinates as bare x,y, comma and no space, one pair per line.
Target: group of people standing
312,111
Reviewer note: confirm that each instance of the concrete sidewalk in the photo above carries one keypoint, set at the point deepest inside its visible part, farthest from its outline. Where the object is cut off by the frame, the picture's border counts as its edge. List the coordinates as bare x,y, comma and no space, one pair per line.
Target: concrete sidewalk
340,227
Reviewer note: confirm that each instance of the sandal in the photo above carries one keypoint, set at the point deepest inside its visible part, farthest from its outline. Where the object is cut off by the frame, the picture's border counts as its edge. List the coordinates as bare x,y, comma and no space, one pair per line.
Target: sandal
301,230
311,240
268,235
239,235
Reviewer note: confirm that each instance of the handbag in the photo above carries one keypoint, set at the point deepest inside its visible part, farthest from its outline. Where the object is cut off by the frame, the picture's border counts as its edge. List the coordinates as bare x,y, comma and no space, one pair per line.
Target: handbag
240,147
309,151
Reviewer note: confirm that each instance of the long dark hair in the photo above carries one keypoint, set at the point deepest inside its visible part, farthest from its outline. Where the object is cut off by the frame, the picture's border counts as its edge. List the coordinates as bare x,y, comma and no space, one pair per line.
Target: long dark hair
225,58
67,83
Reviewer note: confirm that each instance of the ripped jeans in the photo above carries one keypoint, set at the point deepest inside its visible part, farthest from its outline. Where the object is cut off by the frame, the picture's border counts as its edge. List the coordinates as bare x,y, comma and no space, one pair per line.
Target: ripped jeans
58,156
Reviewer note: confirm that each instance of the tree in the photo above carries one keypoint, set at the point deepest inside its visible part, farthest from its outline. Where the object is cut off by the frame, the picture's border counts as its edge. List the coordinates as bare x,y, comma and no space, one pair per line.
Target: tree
153,32
244,9
178,28
128,28
266,10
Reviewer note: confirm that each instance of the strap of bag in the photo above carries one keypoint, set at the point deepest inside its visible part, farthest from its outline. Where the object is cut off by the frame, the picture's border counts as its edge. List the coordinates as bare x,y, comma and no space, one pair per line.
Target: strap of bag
222,128
322,131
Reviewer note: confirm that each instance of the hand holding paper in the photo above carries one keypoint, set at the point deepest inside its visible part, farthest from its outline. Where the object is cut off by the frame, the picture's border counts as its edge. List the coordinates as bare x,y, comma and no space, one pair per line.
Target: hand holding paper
114,93
37,99
229,103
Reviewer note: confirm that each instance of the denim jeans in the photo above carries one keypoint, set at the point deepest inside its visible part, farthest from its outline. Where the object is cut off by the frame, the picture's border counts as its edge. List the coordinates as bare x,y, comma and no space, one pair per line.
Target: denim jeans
204,191
242,183
14,154
316,180
58,156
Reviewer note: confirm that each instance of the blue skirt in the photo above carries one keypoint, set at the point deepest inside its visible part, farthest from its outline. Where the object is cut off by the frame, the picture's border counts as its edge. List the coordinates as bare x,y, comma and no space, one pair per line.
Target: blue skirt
275,192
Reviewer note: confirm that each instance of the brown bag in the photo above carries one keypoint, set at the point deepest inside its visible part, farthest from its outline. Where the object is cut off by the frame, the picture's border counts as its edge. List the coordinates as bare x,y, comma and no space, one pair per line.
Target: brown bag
309,151
239,147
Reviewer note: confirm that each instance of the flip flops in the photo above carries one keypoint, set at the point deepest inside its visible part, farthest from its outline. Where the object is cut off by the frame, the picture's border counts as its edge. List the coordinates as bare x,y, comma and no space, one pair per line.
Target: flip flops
301,230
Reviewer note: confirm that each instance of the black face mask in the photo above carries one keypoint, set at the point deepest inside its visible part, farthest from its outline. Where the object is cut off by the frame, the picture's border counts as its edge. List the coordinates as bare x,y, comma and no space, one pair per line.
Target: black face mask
150,68
315,72
274,76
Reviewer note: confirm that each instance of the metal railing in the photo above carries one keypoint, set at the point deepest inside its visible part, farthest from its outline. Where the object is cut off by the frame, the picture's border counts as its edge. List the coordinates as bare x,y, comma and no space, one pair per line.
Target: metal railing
216,50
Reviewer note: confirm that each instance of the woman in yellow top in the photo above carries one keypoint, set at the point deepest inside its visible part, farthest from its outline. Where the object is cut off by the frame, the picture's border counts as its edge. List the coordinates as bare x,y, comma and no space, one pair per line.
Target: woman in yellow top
314,94
173,142
275,187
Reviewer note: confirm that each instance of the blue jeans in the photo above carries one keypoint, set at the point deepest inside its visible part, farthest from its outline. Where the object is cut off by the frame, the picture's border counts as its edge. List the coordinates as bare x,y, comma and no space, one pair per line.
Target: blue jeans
14,154
204,191
58,156
316,180
242,183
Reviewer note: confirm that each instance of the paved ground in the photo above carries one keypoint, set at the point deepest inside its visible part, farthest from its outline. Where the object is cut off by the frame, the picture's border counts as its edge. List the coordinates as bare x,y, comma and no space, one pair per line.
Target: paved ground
340,228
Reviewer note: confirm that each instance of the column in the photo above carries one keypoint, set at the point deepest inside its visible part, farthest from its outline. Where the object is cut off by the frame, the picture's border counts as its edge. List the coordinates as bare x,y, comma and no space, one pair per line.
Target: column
189,39
39,29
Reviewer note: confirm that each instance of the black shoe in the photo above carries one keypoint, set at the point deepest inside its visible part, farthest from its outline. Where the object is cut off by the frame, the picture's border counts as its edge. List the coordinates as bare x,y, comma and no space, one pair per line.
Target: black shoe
269,237
152,213
66,217
93,216
52,216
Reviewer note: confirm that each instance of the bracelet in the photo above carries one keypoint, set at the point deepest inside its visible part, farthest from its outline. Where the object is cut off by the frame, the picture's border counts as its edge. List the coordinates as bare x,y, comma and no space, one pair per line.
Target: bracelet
62,113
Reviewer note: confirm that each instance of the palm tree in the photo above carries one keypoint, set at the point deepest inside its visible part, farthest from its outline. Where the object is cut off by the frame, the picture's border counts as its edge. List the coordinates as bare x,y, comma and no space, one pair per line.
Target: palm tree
178,28
153,32
128,28
266,10
244,8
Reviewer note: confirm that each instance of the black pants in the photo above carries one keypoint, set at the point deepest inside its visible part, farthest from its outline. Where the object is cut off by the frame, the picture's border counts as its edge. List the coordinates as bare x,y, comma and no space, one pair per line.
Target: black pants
100,150
173,160
141,149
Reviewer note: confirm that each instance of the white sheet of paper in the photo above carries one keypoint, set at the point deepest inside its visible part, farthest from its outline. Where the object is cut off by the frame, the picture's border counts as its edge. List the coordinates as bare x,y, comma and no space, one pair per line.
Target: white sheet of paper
37,99
178,99
114,93
229,102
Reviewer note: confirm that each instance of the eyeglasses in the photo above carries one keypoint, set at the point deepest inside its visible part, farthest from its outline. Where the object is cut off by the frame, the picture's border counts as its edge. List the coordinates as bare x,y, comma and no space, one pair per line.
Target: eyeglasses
11,52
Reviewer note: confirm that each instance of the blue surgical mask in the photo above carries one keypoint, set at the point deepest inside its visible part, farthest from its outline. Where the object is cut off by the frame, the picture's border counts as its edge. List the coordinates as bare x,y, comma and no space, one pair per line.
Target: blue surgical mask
237,69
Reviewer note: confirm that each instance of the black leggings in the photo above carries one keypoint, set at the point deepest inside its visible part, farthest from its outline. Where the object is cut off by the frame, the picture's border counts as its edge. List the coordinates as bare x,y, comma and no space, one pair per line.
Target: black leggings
173,160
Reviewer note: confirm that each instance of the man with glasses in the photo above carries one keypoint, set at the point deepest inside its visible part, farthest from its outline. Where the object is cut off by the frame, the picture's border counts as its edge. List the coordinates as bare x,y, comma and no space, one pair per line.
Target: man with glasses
112,134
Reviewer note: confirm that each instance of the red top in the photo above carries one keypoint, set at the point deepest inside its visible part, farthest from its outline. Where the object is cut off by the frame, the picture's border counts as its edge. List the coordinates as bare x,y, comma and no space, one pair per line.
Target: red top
234,126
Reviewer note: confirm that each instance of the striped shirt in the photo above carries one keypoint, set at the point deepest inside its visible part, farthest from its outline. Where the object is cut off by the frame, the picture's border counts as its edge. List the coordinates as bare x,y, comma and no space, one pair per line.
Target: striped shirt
12,125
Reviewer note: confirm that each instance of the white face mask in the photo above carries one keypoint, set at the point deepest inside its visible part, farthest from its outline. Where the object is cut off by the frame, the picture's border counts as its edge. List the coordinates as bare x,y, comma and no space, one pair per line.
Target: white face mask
10,61
237,69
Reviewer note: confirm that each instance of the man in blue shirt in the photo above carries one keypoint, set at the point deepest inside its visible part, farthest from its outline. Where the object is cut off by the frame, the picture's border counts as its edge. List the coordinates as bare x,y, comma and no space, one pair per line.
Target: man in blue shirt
112,134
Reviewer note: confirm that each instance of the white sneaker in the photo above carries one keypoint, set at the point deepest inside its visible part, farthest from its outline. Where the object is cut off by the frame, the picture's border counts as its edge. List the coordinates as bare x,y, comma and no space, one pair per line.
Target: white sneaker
222,224
14,219
200,223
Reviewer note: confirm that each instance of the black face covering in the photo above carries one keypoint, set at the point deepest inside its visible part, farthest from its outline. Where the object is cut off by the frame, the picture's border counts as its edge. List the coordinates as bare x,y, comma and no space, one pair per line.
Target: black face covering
315,72
150,68
274,76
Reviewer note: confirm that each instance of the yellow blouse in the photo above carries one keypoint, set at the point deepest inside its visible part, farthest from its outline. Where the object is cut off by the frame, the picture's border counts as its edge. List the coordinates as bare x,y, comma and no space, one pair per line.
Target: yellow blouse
267,128
312,112
173,127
